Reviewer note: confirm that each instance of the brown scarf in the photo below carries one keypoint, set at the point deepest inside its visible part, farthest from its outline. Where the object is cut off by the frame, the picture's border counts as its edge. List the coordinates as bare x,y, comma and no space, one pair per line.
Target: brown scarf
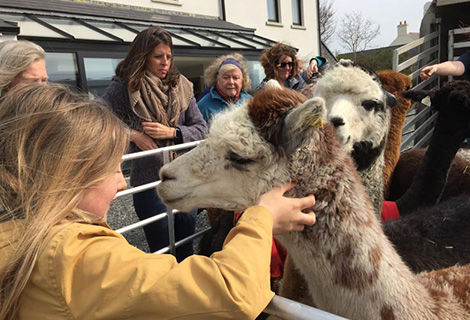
161,103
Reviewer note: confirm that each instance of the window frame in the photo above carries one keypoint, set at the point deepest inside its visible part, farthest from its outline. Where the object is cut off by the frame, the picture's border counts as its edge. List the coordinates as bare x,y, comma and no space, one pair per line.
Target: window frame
298,15
277,9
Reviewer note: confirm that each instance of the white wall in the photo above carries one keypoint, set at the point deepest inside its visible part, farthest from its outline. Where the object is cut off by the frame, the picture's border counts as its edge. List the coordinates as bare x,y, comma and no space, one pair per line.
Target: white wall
254,14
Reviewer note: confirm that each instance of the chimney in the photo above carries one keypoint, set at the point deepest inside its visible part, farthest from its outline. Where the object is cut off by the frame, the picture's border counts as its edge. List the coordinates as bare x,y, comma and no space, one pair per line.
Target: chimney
402,29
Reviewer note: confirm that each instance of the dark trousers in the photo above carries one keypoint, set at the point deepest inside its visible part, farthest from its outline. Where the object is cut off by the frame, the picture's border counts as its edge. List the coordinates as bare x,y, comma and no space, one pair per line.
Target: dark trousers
148,204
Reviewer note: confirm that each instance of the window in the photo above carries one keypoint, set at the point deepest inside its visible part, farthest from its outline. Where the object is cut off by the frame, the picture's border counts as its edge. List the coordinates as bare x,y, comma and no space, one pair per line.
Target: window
273,11
62,67
74,28
297,12
99,73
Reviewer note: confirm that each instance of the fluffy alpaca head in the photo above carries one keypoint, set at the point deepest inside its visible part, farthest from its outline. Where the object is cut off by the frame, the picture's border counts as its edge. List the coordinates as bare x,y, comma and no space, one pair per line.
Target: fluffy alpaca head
245,154
356,104
395,83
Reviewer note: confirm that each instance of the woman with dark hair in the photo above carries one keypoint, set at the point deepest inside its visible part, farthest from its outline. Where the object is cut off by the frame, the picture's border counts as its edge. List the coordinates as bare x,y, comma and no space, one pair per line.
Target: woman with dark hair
157,103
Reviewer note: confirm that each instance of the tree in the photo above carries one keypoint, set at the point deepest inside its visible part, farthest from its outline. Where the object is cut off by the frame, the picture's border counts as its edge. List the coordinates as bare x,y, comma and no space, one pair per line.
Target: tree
380,59
357,33
327,22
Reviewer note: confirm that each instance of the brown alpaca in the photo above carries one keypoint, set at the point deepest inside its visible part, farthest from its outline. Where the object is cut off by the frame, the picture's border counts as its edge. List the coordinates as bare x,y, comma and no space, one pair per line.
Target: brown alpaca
350,266
394,82
400,169
458,179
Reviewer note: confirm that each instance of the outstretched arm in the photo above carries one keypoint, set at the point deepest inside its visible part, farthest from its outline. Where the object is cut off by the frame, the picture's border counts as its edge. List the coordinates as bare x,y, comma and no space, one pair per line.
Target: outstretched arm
447,68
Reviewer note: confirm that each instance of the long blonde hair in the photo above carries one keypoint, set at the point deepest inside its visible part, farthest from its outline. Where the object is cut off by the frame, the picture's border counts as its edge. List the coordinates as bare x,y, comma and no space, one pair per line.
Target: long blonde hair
54,144
15,58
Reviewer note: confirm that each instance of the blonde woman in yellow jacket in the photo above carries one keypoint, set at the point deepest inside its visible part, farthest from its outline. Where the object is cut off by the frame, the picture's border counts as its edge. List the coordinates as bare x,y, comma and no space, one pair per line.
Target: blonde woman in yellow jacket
60,159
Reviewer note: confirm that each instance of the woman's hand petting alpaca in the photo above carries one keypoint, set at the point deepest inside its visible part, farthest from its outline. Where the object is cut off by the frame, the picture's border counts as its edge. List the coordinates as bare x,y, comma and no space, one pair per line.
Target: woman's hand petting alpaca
158,131
289,214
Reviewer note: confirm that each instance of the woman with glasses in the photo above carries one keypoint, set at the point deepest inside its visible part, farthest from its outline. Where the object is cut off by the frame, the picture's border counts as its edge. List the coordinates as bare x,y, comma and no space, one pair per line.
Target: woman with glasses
280,63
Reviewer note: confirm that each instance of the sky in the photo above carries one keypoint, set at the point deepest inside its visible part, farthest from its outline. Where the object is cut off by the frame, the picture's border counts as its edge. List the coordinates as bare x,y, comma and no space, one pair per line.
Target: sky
386,13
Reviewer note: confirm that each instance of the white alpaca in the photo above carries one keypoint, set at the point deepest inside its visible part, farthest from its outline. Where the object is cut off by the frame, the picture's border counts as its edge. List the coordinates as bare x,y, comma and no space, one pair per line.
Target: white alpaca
359,109
351,268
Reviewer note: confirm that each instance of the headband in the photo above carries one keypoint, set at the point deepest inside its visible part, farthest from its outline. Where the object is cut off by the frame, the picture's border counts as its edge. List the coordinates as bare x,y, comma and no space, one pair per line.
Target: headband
232,61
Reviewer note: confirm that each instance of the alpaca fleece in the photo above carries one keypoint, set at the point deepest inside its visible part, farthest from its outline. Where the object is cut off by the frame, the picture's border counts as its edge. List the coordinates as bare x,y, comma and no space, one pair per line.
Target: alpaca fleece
350,266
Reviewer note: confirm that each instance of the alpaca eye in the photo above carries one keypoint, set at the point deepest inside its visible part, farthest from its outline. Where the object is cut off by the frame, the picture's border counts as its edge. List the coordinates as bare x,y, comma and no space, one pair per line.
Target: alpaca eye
370,105
237,159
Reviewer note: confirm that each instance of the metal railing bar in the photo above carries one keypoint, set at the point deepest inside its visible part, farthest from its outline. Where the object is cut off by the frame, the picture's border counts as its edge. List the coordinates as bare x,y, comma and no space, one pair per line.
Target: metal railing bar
142,223
138,189
416,118
418,131
462,44
405,64
425,139
171,231
462,30
289,309
424,84
416,43
141,154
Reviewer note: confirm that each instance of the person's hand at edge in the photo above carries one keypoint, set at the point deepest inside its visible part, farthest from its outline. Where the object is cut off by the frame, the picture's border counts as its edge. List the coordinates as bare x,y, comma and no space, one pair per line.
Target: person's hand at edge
289,214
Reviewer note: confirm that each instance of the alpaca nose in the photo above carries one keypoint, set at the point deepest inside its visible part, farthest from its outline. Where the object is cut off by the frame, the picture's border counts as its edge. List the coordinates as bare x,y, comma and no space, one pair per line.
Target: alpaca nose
337,121
165,175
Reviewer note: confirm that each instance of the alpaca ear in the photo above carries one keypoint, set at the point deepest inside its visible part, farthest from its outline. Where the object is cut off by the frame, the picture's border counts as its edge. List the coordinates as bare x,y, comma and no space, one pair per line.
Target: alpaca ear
390,99
416,95
299,123
272,84
459,97
345,62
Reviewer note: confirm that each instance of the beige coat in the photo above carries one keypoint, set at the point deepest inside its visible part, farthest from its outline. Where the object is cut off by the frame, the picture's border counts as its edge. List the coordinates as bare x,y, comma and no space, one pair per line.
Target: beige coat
88,271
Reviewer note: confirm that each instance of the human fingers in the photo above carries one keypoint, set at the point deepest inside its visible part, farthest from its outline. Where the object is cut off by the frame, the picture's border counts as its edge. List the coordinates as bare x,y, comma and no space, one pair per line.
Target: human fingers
424,75
309,72
298,227
287,187
306,202
147,124
152,125
313,65
145,145
307,218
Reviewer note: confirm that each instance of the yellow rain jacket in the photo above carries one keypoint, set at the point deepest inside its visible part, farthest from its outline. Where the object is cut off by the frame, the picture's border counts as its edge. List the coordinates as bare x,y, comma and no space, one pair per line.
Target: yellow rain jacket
87,271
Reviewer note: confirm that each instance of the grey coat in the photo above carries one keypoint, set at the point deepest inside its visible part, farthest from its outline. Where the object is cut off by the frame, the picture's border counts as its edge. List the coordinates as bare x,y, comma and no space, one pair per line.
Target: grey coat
190,123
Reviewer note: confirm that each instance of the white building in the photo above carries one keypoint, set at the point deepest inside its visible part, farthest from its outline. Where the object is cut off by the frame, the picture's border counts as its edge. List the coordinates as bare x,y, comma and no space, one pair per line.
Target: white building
291,21
403,35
